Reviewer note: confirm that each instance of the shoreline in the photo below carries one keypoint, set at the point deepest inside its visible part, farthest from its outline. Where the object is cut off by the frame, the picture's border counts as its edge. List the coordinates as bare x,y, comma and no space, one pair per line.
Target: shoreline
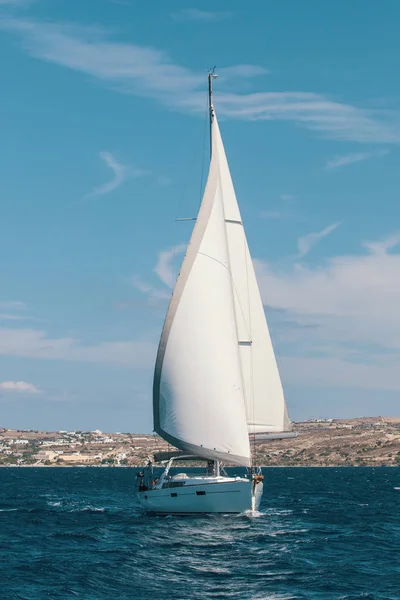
339,466
365,441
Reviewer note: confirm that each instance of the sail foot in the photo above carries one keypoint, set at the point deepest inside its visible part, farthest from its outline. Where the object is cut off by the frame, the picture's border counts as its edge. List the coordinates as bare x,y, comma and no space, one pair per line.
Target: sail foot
207,453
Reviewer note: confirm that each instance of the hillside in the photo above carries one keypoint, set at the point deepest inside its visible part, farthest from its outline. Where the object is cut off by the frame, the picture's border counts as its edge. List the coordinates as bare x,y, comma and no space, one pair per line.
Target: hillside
373,441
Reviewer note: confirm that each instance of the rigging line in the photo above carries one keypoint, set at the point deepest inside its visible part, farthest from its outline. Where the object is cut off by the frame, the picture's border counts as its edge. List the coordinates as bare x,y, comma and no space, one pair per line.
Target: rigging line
240,305
235,288
155,442
216,260
252,399
184,191
206,122
204,151
228,268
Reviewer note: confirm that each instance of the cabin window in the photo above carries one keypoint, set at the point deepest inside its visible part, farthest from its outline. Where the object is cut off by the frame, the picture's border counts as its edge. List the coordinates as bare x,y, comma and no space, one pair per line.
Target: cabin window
200,493
174,495
173,484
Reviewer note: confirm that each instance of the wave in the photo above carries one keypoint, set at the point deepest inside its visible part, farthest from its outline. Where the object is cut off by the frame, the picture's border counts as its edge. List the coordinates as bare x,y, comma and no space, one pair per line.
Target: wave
78,533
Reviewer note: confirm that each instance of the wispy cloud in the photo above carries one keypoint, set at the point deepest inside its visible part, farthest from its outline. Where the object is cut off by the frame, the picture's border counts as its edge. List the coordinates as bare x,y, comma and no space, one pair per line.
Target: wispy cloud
21,387
33,343
349,159
15,305
314,111
166,271
165,265
306,242
121,173
195,14
151,73
382,247
153,293
15,311
16,317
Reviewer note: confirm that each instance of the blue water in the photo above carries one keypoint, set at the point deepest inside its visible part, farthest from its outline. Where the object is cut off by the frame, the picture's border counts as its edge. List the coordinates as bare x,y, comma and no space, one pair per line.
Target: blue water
78,533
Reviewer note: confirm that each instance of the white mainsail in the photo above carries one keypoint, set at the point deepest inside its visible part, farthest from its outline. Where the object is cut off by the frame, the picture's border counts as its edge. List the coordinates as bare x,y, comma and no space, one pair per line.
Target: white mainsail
216,377
198,394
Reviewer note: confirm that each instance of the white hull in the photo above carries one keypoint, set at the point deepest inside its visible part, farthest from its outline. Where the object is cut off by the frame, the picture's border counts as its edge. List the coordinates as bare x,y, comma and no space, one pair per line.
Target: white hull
203,495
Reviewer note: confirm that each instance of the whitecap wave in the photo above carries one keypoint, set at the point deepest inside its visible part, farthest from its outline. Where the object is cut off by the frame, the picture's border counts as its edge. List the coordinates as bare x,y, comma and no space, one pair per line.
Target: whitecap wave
89,509
252,514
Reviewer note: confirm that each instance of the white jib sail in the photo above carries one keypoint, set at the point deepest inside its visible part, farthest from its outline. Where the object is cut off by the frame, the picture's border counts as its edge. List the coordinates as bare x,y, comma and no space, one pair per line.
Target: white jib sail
265,402
198,394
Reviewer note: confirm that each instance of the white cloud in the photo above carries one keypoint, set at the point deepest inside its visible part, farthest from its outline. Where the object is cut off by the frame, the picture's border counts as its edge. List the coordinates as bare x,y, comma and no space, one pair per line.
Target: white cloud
33,343
165,265
349,159
334,325
195,14
151,73
16,305
15,317
382,246
15,312
166,270
346,286
338,324
154,294
325,371
121,173
306,242
19,386
314,111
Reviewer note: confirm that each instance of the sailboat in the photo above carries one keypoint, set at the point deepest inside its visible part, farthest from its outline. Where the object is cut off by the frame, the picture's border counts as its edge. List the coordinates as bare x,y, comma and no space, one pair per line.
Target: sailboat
216,383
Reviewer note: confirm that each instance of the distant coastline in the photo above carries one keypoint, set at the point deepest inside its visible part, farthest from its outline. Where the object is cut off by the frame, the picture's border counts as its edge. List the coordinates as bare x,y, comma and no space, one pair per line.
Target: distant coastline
366,441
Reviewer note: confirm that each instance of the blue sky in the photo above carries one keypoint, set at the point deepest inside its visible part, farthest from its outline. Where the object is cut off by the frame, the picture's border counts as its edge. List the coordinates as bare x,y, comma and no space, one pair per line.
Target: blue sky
104,143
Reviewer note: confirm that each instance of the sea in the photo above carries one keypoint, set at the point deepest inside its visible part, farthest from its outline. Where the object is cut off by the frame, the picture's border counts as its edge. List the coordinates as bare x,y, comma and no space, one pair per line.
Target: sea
321,534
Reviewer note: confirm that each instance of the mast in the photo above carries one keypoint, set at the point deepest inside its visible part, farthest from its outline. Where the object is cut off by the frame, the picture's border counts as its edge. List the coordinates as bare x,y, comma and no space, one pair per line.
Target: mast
211,76
198,337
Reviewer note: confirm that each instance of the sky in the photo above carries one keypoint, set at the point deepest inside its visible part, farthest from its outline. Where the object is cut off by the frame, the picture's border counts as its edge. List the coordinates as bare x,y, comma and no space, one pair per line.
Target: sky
104,145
